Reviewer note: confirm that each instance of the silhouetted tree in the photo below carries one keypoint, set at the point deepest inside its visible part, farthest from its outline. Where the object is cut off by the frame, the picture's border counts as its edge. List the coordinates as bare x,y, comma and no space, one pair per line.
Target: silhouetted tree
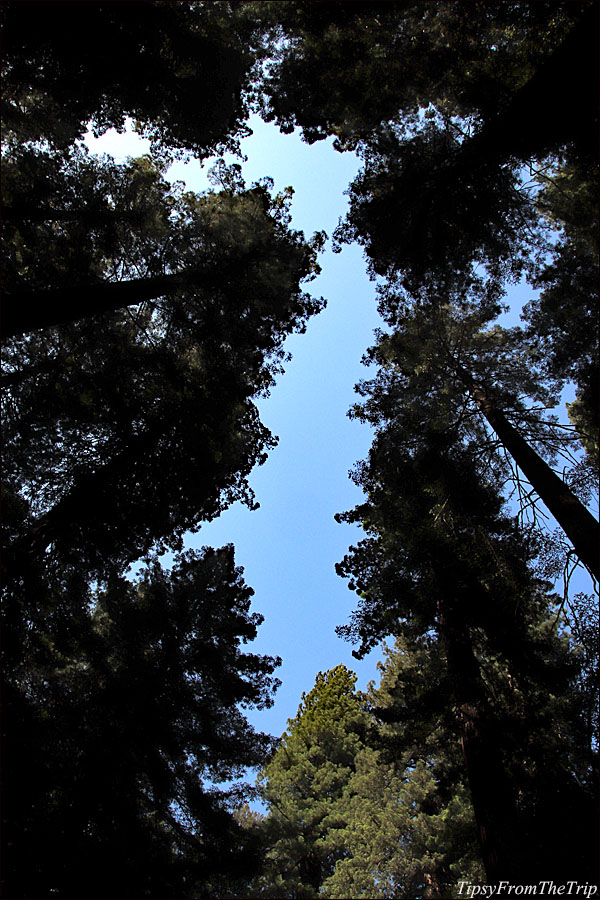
121,721
523,73
143,416
441,560
445,367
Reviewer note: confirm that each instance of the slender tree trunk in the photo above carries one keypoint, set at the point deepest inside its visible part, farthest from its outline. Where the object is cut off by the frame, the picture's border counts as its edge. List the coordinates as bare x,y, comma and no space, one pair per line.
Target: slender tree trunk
491,793
576,521
25,311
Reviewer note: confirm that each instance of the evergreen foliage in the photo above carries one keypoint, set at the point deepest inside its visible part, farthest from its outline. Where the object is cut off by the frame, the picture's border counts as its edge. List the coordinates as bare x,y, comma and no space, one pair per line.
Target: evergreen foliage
346,69
348,818
121,717
411,831
445,368
562,324
447,219
304,785
352,809
142,322
143,410
179,70
441,563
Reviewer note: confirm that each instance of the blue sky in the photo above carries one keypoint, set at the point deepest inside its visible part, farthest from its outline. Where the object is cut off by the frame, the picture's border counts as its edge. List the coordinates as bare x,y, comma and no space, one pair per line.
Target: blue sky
288,547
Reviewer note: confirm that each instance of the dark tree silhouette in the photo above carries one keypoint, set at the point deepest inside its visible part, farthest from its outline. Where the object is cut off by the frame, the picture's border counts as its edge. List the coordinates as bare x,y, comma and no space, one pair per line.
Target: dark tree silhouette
180,70
442,564
121,724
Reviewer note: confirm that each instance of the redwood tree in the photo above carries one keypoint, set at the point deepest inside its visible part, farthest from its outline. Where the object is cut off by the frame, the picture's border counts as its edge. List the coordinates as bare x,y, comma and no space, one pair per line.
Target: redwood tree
442,565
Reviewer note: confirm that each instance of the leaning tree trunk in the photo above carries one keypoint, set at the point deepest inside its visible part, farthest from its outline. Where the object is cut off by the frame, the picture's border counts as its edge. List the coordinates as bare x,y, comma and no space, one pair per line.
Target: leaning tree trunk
576,521
27,310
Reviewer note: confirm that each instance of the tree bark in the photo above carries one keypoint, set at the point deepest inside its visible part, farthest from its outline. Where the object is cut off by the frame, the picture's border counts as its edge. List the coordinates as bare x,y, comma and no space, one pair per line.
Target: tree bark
576,521
25,311
491,794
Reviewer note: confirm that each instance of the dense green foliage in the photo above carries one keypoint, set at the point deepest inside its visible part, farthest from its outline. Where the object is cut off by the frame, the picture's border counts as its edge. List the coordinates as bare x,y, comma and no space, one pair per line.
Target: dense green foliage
440,369
442,564
120,720
370,796
179,70
347,817
351,67
448,103
141,324
448,106
143,415
304,784
411,830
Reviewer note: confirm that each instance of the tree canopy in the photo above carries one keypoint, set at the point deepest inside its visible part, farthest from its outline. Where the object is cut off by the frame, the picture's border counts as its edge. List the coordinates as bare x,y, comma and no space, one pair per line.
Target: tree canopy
449,218
181,71
440,370
304,786
477,61
145,402
142,323
442,563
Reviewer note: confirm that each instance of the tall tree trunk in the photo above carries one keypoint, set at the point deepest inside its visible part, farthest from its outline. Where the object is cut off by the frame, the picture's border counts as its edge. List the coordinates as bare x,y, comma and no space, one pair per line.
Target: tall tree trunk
491,793
576,521
25,311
